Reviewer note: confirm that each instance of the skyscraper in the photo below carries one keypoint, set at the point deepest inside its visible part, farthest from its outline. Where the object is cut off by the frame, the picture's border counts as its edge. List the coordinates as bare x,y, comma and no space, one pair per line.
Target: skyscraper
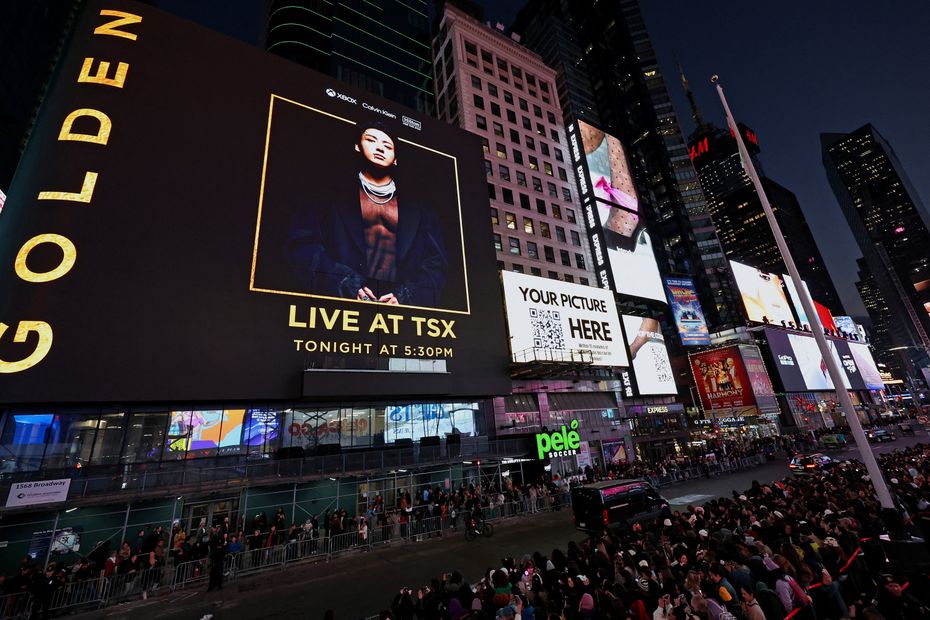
609,77
492,86
741,225
384,50
892,227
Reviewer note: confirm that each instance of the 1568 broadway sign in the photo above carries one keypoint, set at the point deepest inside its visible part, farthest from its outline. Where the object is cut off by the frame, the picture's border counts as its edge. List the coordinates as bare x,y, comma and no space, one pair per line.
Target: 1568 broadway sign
560,443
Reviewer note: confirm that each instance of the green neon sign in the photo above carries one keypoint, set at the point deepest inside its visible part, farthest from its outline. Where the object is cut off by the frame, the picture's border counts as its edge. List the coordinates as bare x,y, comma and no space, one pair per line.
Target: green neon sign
560,443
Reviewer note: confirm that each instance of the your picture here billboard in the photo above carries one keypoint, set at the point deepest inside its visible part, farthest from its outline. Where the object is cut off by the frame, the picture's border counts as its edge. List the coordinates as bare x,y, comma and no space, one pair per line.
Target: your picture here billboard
196,219
620,242
689,317
549,316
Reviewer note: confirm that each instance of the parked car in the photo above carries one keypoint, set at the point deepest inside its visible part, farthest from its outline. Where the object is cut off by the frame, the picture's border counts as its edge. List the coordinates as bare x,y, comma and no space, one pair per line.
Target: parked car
879,434
810,464
906,428
834,440
615,504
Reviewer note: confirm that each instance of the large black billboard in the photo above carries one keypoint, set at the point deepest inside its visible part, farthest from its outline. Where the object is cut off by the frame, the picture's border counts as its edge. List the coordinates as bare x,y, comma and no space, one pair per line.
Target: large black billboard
194,219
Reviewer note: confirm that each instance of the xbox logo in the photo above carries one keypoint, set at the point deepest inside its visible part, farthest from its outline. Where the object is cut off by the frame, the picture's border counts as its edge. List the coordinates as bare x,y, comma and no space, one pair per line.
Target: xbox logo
330,92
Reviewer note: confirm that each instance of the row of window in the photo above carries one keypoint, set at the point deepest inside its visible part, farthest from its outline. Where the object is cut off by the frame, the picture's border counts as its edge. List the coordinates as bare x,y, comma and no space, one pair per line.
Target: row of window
525,121
532,251
507,71
30,442
507,197
481,122
529,226
536,271
508,99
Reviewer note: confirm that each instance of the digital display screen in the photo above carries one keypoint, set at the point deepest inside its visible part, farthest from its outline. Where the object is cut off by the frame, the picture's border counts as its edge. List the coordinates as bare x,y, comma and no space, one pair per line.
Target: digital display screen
652,368
811,363
429,419
865,362
312,229
545,316
614,452
689,317
846,325
721,379
825,316
762,294
621,242
261,427
796,300
190,431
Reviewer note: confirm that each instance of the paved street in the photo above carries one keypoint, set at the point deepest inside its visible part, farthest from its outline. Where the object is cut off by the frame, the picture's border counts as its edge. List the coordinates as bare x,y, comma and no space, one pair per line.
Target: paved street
362,583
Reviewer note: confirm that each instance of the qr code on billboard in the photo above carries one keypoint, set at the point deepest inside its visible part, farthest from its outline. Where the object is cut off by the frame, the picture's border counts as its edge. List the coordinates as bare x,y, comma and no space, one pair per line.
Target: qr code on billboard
547,329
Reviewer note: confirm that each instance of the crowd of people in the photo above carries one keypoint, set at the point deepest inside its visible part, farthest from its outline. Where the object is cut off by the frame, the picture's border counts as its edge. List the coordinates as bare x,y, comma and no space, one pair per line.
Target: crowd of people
804,548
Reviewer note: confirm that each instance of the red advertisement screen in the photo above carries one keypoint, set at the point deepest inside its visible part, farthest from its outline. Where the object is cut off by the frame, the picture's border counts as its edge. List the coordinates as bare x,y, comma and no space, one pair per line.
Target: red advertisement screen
721,379
825,316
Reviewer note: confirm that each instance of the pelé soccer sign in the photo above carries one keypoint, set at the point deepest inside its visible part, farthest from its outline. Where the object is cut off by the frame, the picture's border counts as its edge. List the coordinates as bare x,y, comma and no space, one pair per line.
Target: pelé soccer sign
562,442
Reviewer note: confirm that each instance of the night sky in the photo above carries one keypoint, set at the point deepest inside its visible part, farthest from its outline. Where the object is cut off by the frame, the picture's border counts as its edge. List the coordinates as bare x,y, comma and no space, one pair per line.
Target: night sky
792,74
789,74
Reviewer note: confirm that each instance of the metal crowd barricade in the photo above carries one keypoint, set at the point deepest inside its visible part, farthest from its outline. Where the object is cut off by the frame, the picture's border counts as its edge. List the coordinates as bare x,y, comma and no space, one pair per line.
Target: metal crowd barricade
343,542
189,573
16,606
78,593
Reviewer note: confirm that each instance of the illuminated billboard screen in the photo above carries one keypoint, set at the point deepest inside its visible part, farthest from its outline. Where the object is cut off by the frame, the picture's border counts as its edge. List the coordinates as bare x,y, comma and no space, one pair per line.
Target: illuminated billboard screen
173,234
825,316
621,243
796,300
652,368
846,325
721,379
801,367
762,294
811,363
689,317
759,380
546,315
871,378
194,431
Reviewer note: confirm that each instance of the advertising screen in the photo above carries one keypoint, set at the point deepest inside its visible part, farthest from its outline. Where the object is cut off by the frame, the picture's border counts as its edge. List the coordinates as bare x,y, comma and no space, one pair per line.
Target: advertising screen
190,431
621,244
196,218
758,378
614,452
796,300
692,328
721,379
786,363
553,315
432,419
846,325
866,364
652,368
811,364
825,316
762,294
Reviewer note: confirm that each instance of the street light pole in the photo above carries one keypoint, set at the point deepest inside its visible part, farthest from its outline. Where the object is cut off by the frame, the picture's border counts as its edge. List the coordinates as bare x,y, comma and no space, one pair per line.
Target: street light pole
836,374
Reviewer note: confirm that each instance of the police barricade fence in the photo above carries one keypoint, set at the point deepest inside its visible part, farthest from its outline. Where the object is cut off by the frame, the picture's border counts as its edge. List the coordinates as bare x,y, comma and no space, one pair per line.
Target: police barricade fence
190,573
16,606
78,593
116,588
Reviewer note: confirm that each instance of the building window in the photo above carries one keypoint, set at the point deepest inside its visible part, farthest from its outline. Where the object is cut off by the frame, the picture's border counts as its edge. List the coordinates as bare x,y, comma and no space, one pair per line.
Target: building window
497,243
476,82
521,181
554,135
526,123
553,190
530,143
502,64
579,260
544,231
501,151
524,199
553,275
507,195
541,206
523,105
566,194
508,97
479,102
550,117
566,258
547,168
537,112
569,278
471,48
518,268
495,110
492,191
495,220
515,136
534,163
540,129
528,226
560,234
512,117
486,57
492,90
486,146
562,175
536,271
514,245
544,148
559,156
583,281
570,216
481,122
488,169
556,211
537,184
498,130
518,157
576,238
511,220
532,250
504,172
549,253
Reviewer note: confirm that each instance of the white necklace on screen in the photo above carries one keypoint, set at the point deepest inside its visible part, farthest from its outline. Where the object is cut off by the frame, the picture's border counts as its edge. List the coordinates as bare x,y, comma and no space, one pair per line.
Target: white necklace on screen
378,194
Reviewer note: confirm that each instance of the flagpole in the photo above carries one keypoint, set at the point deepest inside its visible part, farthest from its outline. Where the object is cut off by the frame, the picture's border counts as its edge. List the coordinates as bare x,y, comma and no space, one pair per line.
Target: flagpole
836,374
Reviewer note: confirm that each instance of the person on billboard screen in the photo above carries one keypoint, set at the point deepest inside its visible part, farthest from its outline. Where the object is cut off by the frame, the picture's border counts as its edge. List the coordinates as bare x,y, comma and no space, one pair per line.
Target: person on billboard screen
373,241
